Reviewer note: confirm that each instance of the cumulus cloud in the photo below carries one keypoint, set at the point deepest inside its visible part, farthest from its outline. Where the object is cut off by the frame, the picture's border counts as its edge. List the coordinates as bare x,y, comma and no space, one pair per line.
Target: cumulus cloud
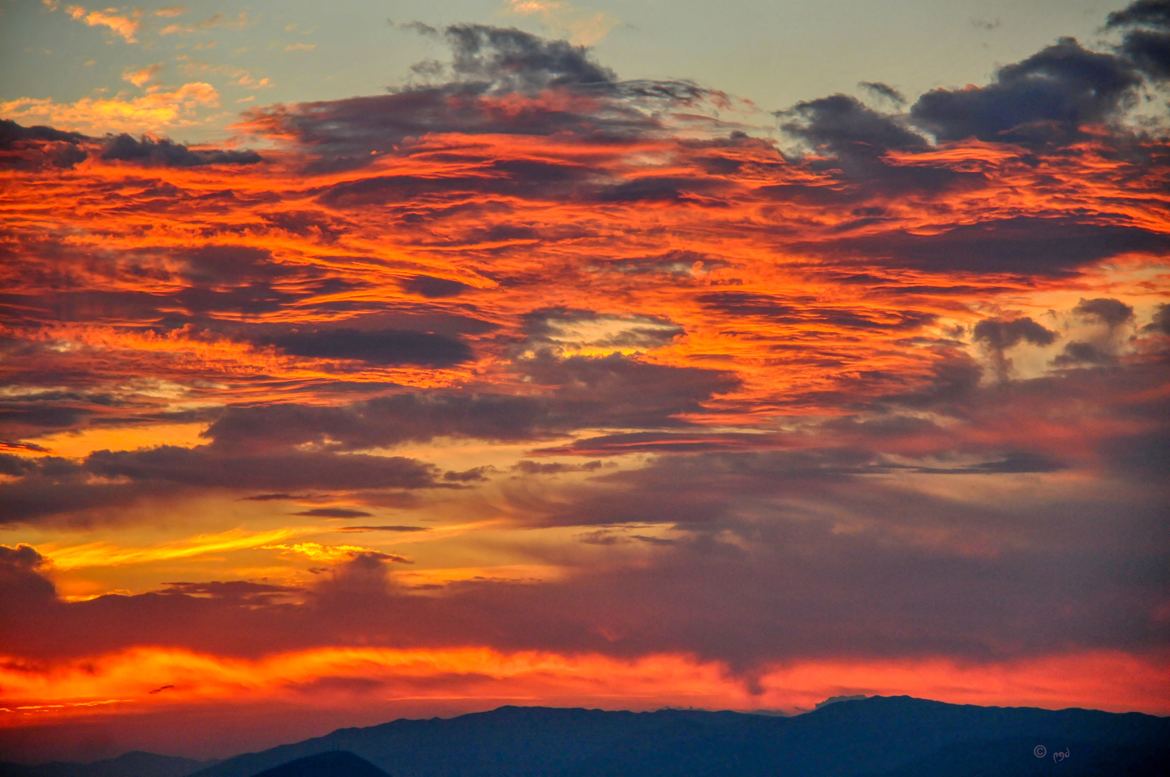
1000,335
1048,97
512,60
1147,35
1111,312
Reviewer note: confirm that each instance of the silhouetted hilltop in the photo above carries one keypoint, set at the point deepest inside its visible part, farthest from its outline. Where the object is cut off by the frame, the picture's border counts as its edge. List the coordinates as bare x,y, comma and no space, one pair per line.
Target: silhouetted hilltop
874,737
133,764
335,763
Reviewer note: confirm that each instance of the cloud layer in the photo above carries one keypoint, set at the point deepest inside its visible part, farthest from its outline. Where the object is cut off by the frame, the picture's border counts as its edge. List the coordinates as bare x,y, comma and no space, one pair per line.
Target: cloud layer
593,373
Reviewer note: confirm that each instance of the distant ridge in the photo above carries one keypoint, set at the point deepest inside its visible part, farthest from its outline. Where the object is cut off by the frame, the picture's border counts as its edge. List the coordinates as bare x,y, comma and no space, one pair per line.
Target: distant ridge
871,737
132,764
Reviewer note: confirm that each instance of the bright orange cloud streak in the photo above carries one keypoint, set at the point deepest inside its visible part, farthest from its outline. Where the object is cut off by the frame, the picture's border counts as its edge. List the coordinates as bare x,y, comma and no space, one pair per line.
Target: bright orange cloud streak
129,682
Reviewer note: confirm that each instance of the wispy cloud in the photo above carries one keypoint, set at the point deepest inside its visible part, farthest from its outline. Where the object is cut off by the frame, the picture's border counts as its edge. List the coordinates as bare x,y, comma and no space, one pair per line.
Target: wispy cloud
217,21
143,75
124,24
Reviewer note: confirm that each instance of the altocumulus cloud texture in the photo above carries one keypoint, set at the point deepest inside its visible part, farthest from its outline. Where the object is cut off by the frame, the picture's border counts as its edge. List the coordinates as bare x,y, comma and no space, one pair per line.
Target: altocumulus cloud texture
613,383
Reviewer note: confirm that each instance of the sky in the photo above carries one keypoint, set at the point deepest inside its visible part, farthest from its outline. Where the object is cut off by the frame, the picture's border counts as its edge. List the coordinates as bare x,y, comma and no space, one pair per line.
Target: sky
371,360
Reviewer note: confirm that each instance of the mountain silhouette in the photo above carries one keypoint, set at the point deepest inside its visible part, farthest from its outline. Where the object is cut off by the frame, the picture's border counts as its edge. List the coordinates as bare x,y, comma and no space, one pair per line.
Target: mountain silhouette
336,763
872,737
132,764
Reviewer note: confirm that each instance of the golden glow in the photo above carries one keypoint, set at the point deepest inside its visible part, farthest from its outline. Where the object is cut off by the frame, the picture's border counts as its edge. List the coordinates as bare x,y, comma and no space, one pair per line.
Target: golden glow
105,554
79,444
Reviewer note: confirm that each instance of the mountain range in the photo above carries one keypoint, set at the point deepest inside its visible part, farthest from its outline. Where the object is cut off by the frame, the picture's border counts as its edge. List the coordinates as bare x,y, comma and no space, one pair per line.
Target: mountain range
868,737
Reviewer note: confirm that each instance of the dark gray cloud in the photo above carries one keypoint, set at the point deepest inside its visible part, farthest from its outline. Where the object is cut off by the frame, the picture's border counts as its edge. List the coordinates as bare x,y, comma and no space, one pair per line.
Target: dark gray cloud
390,420
34,148
243,592
20,575
179,286
1024,245
746,303
516,61
394,527
29,415
885,91
529,467
243,279
1013,463
1078,353
530,179
486,64
334,512
212,467
1111,312
617,391
1150,51
105,482
854,139
12,133
694,190
14,465
434,288
1161,320
1152,12
654,442
843,126
999,335
1147,35
1044,99
343,133
24,586
1002,334
381,346
804,310
578,392
150,152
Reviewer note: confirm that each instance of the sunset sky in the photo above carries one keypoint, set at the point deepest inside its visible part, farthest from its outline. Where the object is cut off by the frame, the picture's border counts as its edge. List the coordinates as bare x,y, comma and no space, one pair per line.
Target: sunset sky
366,360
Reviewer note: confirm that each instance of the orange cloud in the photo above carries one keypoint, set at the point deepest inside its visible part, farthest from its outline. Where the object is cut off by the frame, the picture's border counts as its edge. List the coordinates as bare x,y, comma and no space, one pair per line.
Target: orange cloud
123,683
213,22
158,110
124,25
143,75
